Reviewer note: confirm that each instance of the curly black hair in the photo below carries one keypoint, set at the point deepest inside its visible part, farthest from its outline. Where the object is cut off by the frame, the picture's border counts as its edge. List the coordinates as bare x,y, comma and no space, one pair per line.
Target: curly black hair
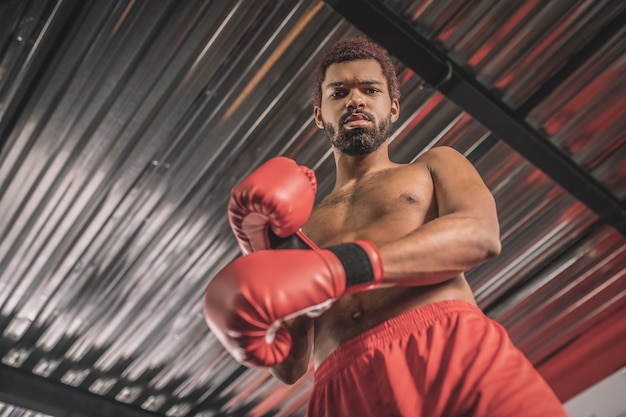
350,49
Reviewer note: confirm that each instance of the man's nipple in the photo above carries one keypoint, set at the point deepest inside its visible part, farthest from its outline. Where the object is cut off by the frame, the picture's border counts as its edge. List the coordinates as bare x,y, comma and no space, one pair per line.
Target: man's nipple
357,315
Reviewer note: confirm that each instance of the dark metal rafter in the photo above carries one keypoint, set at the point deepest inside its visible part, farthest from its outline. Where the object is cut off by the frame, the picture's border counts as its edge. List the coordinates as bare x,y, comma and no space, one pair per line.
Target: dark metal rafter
44,395
579,58
391,31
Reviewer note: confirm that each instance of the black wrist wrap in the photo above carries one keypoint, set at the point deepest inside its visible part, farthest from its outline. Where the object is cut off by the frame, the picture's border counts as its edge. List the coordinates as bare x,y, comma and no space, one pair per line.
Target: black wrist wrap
289,242
355,262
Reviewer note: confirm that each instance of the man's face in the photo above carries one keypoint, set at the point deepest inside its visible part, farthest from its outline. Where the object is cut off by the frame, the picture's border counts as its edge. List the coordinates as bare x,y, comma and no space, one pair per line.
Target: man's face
356,111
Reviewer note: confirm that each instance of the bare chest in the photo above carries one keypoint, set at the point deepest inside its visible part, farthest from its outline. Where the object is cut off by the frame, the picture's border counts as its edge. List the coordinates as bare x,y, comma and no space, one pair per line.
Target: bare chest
379,208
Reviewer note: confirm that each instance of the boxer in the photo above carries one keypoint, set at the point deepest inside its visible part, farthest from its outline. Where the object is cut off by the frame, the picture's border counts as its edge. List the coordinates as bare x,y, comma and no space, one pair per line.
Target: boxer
370,282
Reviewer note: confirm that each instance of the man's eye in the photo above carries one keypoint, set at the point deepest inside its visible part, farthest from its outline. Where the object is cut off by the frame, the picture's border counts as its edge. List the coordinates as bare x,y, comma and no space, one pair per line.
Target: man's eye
338,94
372,90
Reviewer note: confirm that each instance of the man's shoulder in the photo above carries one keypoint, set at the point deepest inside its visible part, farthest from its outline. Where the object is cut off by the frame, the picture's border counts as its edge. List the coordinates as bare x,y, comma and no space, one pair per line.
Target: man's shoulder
438,153
441,158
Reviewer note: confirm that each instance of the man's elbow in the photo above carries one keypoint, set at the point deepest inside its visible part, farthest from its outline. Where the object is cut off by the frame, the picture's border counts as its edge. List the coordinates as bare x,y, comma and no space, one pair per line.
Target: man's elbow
483,236
489,242
493,248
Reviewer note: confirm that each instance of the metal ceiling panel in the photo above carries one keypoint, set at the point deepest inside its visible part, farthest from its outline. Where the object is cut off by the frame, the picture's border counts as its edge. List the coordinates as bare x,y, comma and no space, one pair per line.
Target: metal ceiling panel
10,410
124,124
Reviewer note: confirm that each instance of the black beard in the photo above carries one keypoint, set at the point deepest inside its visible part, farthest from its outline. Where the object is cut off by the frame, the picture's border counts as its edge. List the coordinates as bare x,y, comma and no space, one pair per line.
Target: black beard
361,141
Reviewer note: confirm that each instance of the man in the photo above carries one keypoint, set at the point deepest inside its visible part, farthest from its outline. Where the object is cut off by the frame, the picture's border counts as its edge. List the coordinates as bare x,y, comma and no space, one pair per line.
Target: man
378,294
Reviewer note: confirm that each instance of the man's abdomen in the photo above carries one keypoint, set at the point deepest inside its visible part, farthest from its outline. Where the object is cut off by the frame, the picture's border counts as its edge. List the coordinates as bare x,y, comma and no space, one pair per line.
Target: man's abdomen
352,315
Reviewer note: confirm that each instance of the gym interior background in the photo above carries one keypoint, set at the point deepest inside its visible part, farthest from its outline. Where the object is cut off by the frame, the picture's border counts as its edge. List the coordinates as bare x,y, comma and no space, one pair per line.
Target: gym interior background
124,124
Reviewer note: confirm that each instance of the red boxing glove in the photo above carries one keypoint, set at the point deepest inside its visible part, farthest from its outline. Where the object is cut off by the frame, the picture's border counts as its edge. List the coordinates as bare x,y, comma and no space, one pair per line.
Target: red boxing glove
246,302
277,197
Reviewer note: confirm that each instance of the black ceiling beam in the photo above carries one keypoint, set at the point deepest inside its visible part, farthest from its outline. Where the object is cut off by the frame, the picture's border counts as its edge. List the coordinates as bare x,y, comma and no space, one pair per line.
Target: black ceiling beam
574,63
33,392
432,64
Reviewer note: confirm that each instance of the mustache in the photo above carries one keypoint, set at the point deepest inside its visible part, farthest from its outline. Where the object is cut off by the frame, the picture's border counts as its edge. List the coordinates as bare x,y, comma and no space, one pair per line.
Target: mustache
370,116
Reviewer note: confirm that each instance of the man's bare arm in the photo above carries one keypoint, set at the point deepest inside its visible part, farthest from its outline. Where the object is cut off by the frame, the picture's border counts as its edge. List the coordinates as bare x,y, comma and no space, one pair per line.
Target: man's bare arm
297,362
465,234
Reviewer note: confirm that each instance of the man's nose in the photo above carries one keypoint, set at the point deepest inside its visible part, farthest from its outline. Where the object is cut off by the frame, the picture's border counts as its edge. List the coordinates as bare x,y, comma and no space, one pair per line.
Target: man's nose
355,100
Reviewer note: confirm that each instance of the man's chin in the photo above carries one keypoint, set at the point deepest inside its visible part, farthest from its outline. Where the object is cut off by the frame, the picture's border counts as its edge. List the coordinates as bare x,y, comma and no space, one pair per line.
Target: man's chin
356,133
356,147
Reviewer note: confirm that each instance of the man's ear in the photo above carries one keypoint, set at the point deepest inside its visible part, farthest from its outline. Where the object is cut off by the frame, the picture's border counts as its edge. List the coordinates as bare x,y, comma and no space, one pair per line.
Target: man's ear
317,114
395,110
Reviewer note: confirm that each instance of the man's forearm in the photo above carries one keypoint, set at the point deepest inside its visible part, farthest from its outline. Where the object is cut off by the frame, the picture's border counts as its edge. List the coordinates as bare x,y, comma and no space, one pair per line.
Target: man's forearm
297,362
439,250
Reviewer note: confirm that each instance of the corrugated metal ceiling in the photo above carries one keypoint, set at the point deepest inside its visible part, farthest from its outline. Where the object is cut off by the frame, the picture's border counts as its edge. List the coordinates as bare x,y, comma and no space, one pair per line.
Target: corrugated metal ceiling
125,123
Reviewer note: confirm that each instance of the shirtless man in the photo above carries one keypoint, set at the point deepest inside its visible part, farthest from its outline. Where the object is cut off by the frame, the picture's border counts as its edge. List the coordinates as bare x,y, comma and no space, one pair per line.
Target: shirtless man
384,306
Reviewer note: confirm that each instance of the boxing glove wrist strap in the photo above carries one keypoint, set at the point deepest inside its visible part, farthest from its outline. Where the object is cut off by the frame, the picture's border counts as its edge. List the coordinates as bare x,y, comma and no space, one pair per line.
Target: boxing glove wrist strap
356,263
294,241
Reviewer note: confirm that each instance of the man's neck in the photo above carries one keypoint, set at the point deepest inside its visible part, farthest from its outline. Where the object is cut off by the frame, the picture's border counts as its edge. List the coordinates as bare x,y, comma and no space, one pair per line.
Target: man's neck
351,168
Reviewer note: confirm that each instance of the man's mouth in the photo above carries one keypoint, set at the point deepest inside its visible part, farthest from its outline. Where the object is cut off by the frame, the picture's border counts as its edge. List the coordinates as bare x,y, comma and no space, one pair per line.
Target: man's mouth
356,120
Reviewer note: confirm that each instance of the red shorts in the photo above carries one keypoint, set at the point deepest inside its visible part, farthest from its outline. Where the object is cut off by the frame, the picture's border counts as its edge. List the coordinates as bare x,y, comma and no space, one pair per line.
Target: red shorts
445,359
